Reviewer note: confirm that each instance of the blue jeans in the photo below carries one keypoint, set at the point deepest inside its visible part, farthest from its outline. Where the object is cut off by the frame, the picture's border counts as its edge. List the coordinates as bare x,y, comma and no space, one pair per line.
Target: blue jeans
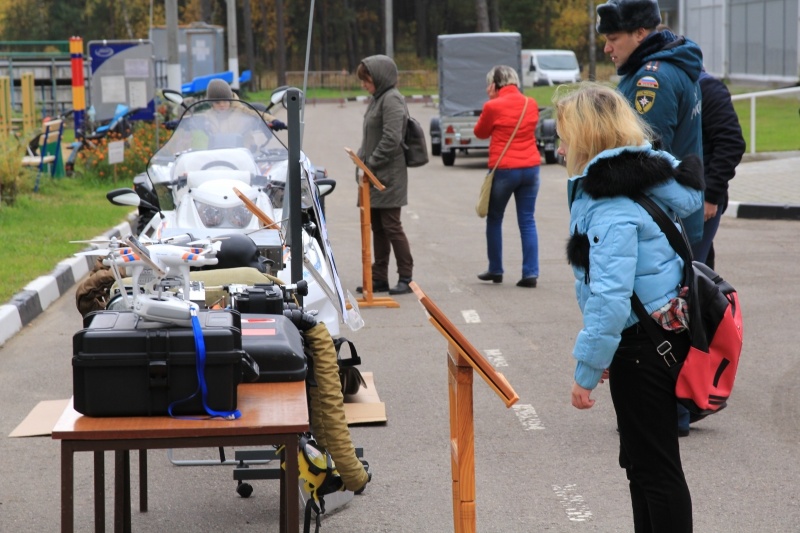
523,183
700,249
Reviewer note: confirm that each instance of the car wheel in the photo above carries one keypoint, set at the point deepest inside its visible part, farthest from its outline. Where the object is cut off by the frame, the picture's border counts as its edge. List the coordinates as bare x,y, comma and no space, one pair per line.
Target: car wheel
436,136
448,157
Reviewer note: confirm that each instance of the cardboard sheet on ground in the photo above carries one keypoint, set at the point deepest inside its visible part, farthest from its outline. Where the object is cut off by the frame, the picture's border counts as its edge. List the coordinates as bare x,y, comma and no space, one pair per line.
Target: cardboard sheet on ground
365,407
41,419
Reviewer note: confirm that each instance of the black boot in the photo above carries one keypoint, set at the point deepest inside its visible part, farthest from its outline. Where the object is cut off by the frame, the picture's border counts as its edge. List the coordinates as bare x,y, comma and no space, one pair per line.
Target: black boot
488,276
377,286
401,287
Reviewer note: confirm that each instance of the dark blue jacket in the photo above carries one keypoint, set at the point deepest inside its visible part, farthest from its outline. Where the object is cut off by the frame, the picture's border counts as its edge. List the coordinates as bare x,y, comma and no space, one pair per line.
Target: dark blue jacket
723,143
660,79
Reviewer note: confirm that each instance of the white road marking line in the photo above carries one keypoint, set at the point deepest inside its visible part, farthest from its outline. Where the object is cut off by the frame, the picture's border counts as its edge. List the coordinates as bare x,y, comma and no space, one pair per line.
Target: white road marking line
573,503
454,287
496,358
528,417
471,316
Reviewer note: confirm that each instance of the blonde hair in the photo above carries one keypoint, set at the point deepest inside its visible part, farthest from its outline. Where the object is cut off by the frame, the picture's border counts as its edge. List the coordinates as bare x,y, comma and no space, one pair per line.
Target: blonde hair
592,118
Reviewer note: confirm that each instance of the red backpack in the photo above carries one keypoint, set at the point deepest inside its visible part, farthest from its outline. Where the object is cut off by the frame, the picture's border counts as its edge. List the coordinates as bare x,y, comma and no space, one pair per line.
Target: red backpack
705,379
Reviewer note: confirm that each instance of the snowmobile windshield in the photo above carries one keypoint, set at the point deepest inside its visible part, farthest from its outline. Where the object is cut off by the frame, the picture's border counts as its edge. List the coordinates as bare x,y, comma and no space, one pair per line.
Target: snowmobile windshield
214,135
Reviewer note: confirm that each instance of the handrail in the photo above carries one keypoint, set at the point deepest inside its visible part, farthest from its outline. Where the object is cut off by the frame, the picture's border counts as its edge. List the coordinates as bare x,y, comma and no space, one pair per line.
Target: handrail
752,97
34,49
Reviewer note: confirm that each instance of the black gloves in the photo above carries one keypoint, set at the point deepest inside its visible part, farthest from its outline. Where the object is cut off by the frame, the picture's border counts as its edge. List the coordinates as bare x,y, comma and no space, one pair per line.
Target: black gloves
302,320
277,125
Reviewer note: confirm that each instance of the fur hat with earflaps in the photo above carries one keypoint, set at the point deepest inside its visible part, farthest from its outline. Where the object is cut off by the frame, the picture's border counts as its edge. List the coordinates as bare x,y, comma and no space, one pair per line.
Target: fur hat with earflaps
627,15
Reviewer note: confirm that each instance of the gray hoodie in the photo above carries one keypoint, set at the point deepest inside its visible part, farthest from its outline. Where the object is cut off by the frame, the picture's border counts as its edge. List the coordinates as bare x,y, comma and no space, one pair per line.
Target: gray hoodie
384,127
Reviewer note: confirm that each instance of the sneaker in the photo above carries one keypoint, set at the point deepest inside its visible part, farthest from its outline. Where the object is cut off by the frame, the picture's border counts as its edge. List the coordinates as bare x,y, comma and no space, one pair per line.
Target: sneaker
401,287
377,286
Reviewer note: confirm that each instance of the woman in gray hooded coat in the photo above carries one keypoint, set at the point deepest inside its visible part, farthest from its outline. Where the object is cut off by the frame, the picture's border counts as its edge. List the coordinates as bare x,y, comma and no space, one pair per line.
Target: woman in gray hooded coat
382,151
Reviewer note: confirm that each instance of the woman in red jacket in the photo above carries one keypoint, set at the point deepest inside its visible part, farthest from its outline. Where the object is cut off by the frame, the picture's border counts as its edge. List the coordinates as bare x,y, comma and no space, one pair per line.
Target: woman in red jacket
517,173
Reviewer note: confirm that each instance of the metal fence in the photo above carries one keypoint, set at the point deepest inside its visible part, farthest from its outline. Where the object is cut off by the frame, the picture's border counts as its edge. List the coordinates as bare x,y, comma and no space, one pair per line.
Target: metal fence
423,80
53,81
752,97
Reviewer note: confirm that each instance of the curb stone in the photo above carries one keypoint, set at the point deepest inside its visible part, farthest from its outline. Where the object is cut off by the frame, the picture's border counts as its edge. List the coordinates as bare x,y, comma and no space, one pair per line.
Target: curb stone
39,294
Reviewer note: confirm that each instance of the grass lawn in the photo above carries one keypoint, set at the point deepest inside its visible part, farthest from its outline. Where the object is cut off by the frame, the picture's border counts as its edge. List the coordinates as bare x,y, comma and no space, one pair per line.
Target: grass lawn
37,229
777,121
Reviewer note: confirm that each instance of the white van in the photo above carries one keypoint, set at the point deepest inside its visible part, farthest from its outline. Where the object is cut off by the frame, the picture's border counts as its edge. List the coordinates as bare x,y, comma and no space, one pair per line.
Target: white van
549,67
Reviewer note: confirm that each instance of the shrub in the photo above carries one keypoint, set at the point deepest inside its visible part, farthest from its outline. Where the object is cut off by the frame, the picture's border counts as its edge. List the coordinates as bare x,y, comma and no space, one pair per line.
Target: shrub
138,148
14,178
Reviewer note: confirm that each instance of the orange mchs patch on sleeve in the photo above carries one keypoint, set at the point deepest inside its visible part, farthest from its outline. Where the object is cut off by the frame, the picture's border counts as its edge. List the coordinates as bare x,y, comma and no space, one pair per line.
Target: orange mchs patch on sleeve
644,101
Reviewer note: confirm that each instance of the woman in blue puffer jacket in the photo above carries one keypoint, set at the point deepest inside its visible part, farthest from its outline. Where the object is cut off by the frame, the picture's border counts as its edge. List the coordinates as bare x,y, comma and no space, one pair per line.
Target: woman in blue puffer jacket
616,248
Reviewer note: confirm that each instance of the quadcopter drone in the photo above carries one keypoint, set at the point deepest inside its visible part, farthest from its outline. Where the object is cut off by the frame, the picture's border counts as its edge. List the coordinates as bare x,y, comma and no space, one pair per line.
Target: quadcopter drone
156,268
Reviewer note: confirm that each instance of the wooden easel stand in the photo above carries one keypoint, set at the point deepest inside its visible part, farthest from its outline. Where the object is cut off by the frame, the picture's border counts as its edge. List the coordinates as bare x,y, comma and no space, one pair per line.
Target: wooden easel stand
368,299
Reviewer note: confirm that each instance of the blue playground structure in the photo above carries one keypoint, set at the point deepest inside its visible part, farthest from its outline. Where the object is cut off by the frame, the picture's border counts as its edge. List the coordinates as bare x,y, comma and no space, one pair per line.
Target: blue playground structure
199,84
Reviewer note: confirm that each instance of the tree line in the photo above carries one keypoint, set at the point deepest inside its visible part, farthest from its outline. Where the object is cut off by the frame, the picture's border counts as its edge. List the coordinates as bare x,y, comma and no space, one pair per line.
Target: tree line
272,34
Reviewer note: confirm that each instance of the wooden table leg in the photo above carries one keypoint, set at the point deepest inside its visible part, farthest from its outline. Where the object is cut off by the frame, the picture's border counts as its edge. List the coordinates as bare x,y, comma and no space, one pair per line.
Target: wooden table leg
99,492
290,490
143,481
282,527
67,488
122,491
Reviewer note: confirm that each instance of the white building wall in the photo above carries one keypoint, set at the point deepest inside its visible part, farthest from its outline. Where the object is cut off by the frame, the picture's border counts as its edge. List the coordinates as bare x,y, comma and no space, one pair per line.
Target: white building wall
704,25
746,40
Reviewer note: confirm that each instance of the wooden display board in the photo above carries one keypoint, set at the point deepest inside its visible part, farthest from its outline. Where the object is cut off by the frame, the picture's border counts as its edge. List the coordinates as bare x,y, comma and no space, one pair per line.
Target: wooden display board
463,358
367,178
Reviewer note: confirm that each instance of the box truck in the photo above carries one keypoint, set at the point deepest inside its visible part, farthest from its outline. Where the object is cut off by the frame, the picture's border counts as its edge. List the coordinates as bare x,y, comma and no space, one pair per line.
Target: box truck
464,60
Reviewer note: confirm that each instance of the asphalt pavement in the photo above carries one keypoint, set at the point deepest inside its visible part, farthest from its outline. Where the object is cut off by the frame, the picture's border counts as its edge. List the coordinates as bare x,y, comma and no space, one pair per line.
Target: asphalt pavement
540,465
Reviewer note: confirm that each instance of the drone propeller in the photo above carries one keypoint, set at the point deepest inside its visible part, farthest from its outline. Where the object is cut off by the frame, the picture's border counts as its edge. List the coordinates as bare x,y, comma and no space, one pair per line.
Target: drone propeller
112,240
97,252
204,242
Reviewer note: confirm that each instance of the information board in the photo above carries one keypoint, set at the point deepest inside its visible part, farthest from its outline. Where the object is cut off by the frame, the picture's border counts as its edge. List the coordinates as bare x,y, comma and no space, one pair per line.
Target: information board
122,72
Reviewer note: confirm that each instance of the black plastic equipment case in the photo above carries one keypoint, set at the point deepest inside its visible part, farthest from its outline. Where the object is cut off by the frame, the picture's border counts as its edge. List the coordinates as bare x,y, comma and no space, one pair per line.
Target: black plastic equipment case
276,345
124,366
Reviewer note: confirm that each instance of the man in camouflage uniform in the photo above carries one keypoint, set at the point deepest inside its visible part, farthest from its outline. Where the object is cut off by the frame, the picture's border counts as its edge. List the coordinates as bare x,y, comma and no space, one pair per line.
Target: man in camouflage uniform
659,74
